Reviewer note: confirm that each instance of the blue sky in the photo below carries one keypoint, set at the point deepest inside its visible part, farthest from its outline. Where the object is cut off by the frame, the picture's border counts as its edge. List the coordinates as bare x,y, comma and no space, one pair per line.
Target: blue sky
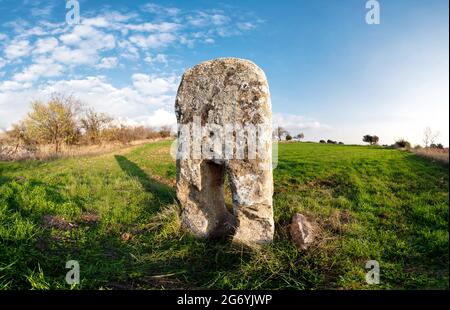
331,75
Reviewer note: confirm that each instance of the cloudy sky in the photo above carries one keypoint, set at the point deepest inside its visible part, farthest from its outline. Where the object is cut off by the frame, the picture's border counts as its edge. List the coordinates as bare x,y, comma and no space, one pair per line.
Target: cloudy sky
331,75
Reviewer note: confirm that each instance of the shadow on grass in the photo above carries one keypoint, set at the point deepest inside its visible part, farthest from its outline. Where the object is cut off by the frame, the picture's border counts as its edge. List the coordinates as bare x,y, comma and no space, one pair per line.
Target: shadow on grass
163,194
184,262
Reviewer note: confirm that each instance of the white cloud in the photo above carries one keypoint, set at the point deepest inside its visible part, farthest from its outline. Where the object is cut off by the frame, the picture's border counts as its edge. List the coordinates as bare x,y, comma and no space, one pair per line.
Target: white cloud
8,86
43,67
148,101
186,41
160,117
153,85
99,21
128,50
14,102
227,32
313,129
17,49
161,10
295,123
159,58
79,33
45,50
77,56
153,41
246,26
219,19
34,31
150,27
117,17
45,45
201,19
82,45
50,25
42,12
88,37
131,102
198,20
19,25
107,63
85,43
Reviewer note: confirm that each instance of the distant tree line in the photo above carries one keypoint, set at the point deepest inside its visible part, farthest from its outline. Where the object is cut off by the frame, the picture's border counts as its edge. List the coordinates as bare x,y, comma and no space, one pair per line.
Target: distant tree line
63,120
429,140
329,141
281,132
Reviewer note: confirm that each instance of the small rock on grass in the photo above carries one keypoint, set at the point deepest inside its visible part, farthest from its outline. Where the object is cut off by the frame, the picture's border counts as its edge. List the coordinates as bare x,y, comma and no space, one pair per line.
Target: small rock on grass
302,231
126,236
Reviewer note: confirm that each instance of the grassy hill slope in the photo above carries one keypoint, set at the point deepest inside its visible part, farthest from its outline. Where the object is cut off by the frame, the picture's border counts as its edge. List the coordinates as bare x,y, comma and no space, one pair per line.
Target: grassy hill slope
116,214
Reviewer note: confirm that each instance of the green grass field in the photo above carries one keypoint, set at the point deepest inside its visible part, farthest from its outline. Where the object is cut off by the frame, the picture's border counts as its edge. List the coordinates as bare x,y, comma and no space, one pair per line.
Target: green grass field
116,214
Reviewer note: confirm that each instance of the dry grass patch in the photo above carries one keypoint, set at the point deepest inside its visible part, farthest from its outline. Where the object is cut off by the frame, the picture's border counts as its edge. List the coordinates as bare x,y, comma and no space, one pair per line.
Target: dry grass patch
438,155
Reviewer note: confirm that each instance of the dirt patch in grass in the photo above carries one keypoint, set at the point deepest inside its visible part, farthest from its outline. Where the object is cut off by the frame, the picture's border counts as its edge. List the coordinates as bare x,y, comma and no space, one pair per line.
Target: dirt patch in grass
337,221
89,219
57,221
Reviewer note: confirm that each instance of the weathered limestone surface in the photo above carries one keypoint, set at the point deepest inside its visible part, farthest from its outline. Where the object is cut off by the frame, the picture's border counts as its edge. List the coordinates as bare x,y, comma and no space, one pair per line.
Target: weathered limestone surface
219,92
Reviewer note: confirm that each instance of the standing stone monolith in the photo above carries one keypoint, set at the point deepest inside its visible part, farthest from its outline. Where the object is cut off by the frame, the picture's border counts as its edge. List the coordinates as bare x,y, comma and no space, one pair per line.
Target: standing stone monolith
224,120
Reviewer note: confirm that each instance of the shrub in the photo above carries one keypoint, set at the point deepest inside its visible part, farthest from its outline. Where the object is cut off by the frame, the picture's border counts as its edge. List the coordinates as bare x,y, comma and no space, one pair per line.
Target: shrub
436,146
402,144
322,141
288,137
341,143
19,138
331,142
165,131
17,145
126,134
300,136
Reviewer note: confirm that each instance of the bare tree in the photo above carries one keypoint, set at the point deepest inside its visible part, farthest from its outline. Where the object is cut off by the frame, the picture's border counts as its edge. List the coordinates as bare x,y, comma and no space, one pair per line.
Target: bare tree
93,123
429,137
280,132
19,136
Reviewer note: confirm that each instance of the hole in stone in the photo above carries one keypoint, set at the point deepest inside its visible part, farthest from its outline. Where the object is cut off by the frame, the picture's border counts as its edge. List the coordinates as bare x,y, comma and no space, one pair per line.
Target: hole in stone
216,194
220,183
228,196
213,175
